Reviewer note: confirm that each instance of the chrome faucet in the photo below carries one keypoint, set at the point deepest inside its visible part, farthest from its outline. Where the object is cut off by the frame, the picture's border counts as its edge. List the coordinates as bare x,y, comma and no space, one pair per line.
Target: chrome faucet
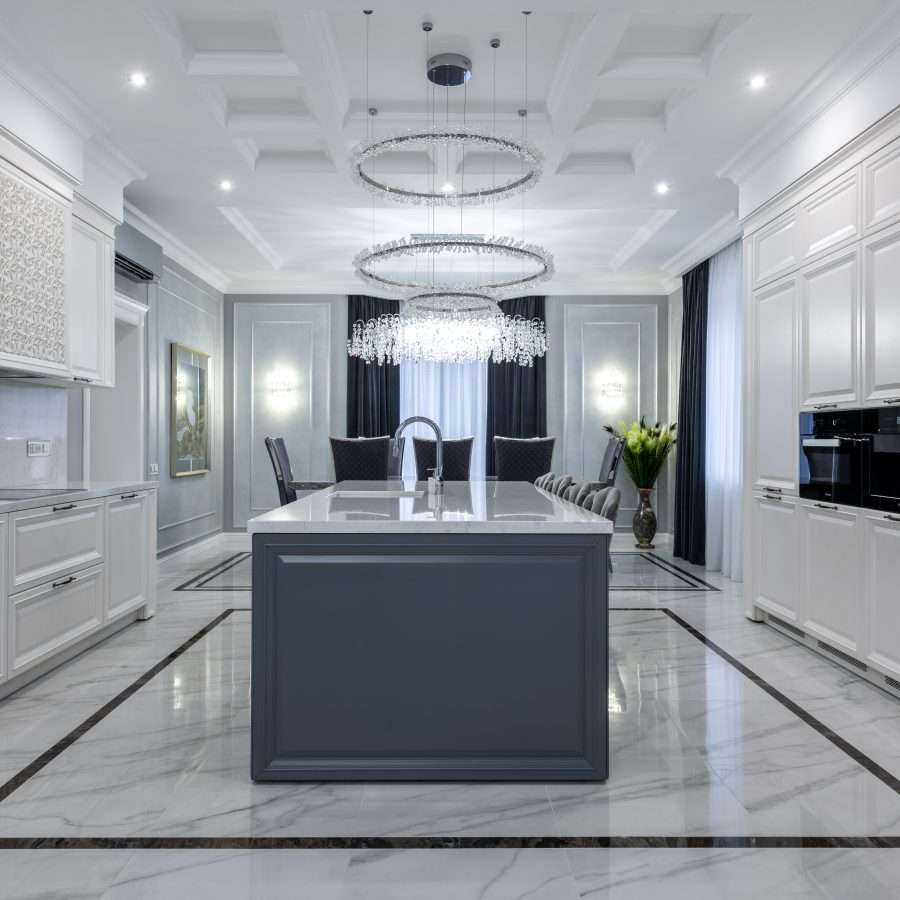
436,481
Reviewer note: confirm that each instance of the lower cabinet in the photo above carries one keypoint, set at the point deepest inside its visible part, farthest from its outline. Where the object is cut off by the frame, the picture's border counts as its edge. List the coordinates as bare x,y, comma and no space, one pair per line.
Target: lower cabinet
776,564
47,619
882,564
128,523
833,582
4,626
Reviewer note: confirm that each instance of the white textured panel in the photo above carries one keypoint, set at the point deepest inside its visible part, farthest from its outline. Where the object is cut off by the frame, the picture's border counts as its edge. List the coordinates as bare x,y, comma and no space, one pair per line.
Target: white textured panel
607,348
282,377
32,272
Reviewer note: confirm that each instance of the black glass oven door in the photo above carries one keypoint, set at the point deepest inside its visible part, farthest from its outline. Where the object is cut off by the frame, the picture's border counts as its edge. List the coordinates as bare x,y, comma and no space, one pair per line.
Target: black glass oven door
884,472
831,469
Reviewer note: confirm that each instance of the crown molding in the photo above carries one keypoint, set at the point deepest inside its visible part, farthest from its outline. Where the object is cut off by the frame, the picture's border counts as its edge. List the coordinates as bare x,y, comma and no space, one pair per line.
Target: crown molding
705,245
249,232
176,249
879,40
643,234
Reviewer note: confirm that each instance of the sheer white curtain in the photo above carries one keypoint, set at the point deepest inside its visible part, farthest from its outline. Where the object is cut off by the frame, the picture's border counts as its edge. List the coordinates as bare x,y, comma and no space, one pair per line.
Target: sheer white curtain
724,414
455,396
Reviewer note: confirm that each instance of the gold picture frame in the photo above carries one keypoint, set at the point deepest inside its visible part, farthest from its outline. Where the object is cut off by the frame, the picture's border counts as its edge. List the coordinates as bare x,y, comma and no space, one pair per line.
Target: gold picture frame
188,412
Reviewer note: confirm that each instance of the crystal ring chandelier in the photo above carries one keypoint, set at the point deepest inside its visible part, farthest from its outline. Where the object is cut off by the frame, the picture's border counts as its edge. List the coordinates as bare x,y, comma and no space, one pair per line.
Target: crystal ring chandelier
435,141
445,335
427,247
458,303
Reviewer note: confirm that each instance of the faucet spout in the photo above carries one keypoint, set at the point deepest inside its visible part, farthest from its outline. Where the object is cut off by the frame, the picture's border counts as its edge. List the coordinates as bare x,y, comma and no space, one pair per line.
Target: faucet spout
438,480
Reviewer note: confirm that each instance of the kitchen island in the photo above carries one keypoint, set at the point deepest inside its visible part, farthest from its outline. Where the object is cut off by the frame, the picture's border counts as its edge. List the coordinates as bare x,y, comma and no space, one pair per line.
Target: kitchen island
403,635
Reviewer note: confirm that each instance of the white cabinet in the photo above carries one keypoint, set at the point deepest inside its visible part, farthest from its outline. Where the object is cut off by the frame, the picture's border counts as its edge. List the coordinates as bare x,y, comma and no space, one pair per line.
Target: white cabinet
830,217
833,575
881,181
881,318
829,332
91,331
3,600
777,248
51,541
776,562
774,373
128,567
882,566
47,619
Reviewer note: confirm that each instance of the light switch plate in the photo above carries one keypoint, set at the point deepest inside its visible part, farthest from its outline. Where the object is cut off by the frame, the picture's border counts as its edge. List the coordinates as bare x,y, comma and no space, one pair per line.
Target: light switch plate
37,448
154,468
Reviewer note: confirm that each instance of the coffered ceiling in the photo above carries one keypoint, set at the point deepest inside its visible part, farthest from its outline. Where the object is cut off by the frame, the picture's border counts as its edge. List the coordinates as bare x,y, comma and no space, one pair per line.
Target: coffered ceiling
271,96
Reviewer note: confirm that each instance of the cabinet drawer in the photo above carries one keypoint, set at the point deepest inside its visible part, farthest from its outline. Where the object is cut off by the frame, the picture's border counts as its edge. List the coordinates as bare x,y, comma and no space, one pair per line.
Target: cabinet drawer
51,541
49,618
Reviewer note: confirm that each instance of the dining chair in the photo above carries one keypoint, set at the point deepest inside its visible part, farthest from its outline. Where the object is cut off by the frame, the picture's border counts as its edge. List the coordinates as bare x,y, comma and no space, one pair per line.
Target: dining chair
560,484
612,456
544,481
457,458
360,459
606,503
522,459
286,493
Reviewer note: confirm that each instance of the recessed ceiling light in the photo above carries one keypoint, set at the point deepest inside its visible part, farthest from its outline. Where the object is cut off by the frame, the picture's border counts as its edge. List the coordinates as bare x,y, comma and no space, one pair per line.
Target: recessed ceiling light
226,184
447,188
758,82
138,79
662,187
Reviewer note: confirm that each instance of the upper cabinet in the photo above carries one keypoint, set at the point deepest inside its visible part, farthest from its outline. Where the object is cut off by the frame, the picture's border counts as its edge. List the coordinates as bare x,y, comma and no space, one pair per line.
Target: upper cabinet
35,230
91,286
881,318
829,332
777,248
881,180
775,389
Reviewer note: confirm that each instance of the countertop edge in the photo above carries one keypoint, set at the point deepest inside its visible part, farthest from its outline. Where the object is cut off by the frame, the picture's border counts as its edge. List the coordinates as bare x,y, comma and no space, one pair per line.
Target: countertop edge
70,495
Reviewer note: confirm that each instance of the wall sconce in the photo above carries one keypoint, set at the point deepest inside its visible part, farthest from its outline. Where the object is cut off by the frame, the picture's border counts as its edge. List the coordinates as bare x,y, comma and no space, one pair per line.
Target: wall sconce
610,389
282,394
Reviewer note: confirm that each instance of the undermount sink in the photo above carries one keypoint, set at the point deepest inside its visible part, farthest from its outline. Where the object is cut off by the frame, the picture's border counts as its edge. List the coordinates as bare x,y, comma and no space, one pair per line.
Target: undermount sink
378,495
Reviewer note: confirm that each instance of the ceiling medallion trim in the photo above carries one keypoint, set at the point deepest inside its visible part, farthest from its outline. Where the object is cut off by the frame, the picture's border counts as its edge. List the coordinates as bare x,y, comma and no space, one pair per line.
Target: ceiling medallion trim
528,155
496,247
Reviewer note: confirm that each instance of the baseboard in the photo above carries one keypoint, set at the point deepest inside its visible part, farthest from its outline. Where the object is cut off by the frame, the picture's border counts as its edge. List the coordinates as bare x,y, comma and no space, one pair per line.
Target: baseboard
188,544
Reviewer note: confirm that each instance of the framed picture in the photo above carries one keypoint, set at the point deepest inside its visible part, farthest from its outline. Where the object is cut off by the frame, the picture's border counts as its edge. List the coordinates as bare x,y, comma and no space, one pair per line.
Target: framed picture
189,412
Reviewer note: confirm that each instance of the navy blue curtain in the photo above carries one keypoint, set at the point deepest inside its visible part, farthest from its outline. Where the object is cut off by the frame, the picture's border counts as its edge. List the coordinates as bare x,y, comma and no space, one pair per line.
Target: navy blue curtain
373,391
517,395
690,460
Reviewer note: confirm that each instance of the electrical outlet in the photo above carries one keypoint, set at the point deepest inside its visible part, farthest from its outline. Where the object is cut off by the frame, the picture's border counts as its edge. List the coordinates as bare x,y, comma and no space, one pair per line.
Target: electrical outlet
37,448
154,468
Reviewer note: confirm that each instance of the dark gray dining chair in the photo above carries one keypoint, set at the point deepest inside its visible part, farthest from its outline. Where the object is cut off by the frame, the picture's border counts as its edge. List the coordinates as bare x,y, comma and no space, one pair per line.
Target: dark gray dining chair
457,458
522,459
612,456
282,466
360,459
560,484
606,503
544,481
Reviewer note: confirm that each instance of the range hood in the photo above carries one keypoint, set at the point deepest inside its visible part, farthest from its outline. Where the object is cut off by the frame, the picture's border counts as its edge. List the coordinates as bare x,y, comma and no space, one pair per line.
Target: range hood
137,257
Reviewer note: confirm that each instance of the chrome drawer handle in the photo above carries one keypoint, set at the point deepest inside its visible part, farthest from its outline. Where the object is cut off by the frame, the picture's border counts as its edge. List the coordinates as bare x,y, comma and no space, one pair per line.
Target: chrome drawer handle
891,400
827,406
773,497
824,506
63,508
127,496
893,518
65,581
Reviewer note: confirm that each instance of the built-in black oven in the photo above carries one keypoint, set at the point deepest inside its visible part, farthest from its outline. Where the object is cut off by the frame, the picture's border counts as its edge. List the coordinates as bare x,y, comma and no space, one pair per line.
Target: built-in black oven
883,458
833,456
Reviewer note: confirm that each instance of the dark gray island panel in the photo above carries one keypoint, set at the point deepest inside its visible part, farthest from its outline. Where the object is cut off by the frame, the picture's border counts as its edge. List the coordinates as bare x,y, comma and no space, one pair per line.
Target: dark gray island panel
429,656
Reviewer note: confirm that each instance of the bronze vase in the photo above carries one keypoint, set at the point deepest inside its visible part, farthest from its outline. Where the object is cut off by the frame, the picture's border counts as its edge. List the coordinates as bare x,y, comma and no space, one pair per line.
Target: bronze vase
644,523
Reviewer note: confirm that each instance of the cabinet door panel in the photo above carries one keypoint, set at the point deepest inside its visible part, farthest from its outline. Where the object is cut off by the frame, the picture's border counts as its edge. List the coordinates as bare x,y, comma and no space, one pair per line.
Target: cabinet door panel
776,392
883,571
829,332
833,577
881,315
48,619
3,600
881,180
831,216
776,557
777,248
127,566
46,542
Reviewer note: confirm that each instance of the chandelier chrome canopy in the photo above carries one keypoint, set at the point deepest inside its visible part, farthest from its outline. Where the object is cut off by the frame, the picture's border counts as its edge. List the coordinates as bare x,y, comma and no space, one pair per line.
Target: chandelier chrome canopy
436,141
533,263
440,328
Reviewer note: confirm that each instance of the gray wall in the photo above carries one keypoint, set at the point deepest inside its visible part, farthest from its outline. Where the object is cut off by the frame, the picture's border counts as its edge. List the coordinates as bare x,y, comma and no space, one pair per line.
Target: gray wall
187,310
28,412
588,339
303,339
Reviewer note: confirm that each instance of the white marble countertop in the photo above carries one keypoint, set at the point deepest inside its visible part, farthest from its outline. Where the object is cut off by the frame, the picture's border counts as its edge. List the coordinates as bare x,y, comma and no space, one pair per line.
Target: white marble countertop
69,493
466,507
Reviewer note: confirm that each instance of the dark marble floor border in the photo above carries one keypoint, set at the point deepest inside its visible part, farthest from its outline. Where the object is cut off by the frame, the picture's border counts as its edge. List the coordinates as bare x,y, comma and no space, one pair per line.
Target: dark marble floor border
538,842
198,582
668,566
95,718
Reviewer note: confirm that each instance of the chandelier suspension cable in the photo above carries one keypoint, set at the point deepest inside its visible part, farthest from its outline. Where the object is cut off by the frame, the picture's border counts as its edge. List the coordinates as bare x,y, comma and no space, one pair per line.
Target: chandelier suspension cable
525,14
370,113
495,44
